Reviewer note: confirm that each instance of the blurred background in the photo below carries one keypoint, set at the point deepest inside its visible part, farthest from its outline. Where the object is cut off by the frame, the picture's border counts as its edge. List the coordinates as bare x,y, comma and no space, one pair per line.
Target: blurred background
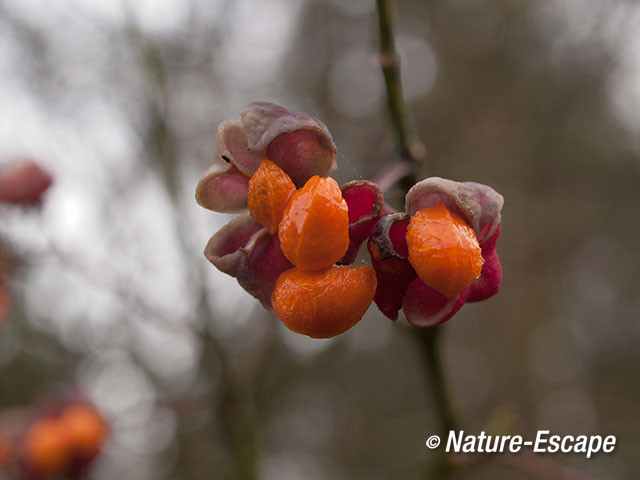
111,296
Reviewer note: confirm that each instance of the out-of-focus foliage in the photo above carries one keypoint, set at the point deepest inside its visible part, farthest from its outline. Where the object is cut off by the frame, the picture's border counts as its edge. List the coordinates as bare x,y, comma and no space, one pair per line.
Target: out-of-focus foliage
111,295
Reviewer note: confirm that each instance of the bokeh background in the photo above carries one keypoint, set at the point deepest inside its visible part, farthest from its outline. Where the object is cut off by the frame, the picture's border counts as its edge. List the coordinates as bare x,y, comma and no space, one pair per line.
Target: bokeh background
111,294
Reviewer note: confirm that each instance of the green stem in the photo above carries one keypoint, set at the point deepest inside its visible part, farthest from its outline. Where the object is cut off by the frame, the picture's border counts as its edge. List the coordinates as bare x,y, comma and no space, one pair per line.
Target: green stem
410,147
413,152
428,339
236,415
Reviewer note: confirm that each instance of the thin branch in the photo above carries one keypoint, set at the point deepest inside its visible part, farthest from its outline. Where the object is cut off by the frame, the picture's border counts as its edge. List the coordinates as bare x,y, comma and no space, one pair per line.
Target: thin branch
234,400
392,174
428,338
413,153
410,147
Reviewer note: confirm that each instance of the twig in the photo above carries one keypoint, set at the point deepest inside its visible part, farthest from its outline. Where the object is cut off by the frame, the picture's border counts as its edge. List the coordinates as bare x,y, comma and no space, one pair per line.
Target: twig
392,173
233,402
410,147
413,153
428,338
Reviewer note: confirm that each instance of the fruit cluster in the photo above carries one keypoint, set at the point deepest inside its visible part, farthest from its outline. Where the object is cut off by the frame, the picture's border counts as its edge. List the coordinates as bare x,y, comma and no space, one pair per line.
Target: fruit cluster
440,254
62,442
294,250
314,298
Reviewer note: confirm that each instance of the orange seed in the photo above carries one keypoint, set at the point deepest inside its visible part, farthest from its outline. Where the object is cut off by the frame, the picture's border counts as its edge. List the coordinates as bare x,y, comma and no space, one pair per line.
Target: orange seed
314,230
323,304
443,250
269,189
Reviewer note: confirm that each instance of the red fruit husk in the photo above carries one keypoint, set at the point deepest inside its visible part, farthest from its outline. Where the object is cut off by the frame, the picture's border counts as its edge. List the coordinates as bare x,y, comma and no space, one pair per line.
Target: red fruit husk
388,249
246,251
365,202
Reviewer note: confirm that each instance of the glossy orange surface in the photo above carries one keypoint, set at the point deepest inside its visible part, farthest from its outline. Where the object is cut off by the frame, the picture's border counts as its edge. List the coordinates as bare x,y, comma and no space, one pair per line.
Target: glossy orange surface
314,231
443,250
323,304
269,190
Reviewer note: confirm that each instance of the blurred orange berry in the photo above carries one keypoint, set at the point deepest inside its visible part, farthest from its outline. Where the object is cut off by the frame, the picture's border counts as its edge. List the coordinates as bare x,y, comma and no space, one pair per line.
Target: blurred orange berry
323,304
314,231
269,189
86,430
46,447
443,250
54,445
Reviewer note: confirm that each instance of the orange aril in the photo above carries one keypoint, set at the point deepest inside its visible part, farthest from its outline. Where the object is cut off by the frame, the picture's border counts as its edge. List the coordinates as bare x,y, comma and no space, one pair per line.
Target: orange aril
269,189
85,428
46,447
443,250
314,230
323,304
